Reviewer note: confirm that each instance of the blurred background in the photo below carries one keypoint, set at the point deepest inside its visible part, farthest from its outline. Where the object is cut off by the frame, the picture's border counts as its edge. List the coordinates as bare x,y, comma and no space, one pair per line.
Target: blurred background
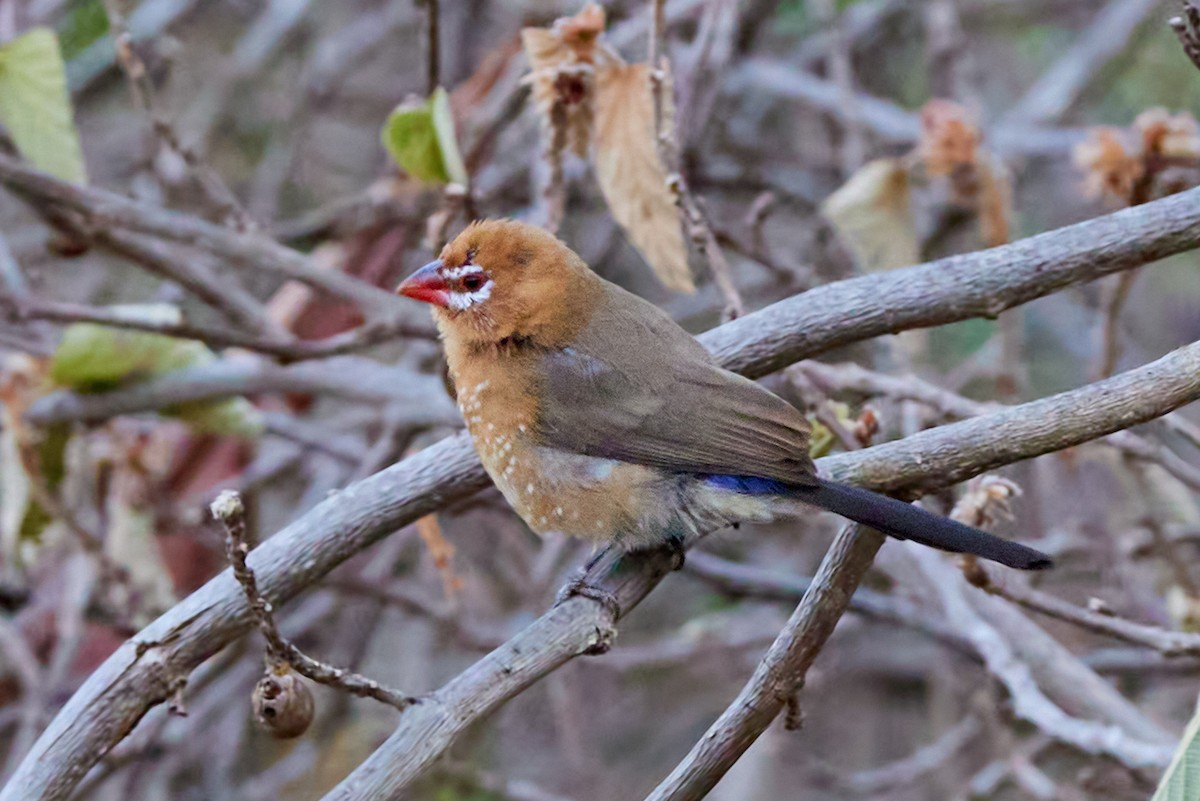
822,139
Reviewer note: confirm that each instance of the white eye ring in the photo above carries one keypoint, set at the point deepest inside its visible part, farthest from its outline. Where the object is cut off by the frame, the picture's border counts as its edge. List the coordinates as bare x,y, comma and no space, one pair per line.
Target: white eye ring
465,300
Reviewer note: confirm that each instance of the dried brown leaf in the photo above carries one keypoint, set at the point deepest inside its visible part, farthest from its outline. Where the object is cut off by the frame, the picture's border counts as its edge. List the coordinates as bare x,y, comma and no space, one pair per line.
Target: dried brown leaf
872,215
561,60
949,137
631,174
1167,135
1110,163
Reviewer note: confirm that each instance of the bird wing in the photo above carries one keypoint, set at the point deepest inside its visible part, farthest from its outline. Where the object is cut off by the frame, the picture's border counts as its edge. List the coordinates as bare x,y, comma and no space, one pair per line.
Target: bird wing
636,387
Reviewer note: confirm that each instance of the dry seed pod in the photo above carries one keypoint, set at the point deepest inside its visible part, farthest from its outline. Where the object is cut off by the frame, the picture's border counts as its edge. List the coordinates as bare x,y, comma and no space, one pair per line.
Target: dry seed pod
283,704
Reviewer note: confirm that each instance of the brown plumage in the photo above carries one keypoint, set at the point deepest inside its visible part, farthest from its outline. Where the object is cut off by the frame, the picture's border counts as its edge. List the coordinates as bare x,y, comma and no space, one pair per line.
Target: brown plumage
596,415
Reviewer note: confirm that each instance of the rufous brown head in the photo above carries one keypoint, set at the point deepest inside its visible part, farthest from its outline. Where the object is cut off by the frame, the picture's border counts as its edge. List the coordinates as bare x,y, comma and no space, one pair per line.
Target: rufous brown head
501,278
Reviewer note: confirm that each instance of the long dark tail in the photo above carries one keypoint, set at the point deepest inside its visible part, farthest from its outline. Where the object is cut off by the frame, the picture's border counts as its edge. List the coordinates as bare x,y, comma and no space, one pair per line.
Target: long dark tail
907,522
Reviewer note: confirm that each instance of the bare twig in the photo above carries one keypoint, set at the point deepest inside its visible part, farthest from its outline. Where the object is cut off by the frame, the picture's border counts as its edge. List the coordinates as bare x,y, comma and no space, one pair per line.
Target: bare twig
840,68
228,509
1029,701
692,215
345,376
1187,28
105,210
1116,291
782,670
29,308
744,581
910,769
142,91
432,46
1169,643
1056,90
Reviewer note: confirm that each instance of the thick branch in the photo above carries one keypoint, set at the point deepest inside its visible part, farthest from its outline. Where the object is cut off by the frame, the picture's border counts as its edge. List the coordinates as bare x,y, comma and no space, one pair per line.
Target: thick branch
781,672
981,284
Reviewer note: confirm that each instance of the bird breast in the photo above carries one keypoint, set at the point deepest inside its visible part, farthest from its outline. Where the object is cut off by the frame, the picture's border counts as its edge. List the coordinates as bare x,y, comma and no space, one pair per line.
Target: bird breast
557,490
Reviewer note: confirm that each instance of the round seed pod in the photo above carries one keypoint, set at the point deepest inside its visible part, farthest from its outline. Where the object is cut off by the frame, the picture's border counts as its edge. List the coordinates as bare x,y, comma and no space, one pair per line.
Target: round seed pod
283,704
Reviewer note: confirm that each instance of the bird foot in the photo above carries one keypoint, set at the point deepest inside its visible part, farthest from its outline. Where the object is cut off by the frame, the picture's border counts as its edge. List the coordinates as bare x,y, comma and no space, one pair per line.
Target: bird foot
678,551
578,585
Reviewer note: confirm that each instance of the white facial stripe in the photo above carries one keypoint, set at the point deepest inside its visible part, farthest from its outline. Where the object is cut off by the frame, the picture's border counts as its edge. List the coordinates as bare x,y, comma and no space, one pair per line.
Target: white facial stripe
454,273
465,300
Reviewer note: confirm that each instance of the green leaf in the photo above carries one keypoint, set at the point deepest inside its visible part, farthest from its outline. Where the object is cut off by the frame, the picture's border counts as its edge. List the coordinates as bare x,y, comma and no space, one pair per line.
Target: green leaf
420,138
96,357
86,22
92,357
35,106
1181,782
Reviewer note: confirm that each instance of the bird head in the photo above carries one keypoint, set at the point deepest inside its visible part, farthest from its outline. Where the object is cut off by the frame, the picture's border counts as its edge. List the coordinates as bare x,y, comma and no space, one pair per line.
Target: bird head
500,279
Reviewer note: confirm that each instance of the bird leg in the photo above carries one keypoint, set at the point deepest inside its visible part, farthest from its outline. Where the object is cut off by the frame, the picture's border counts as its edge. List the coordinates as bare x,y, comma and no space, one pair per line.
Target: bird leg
677,547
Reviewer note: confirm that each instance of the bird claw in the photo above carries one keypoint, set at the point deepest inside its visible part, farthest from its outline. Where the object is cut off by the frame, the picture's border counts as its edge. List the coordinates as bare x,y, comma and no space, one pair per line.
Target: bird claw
578,585
678,550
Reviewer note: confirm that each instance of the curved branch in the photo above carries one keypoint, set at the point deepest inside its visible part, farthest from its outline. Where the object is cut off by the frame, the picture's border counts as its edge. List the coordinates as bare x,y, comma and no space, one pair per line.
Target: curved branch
139,675
103,209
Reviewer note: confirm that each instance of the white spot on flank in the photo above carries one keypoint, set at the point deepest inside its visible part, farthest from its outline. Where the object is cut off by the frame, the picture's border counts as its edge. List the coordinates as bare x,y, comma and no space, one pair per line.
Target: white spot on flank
542,520
558,511
521,427
481,386
490,426
528,489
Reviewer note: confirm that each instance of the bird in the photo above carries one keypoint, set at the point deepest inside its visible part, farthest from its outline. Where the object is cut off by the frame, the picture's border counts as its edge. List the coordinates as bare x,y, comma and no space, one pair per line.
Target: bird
597,416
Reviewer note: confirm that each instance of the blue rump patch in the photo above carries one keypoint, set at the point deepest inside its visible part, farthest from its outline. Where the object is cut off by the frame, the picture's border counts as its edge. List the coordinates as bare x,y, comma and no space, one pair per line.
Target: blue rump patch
747,485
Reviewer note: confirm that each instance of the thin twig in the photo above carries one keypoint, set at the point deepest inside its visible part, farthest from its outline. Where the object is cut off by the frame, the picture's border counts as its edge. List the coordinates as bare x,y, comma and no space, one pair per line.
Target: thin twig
691,212
229,510
142,90
432,46
1114,295
1187,28
1169,643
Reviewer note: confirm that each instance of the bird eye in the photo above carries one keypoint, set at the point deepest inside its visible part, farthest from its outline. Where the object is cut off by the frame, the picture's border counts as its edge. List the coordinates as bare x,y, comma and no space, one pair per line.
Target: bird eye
473,282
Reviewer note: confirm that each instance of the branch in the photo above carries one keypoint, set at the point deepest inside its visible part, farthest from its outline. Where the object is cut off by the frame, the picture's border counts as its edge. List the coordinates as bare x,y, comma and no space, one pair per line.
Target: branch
981,284
1187,28
29,308
102,209
744,581
1030,703
426,402
882,117
781,672
1169,643
1057,89
133,679
229,510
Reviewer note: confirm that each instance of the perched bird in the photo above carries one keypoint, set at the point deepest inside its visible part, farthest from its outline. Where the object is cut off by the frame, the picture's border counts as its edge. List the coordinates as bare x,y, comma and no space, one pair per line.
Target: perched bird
598,417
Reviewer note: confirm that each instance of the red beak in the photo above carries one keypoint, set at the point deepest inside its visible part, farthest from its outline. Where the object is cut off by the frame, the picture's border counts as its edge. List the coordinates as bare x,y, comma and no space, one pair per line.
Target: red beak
427,285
